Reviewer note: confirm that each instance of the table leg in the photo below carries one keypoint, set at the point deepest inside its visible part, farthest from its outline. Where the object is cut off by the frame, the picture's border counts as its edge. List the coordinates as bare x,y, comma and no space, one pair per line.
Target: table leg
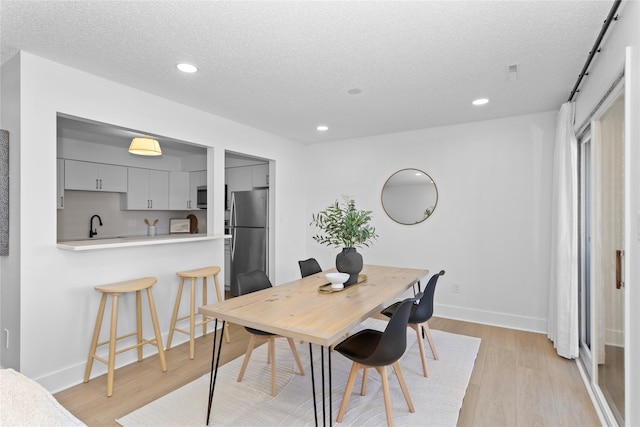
215,363
313,384
324,394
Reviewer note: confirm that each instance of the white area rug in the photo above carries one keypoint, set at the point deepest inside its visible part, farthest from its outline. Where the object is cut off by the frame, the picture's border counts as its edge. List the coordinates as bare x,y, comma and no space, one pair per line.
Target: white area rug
437,399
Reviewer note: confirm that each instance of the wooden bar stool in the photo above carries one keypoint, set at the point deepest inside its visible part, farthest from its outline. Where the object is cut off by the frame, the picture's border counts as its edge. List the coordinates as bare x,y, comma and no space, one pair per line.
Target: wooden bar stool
115,290
193,275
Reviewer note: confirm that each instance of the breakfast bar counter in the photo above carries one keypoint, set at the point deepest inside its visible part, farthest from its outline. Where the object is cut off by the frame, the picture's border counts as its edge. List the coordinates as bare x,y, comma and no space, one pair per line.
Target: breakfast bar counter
131,241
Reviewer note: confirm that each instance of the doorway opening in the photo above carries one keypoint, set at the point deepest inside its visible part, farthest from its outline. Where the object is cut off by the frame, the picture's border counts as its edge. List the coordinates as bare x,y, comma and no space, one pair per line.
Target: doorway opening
248,215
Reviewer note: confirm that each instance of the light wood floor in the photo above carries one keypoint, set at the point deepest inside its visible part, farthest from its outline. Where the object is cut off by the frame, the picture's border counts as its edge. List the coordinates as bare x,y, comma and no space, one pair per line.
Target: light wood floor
517,380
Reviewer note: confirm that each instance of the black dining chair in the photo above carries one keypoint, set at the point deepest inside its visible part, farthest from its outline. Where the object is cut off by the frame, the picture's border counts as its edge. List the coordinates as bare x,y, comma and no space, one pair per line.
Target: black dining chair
309,266
374,349
420,315
251,282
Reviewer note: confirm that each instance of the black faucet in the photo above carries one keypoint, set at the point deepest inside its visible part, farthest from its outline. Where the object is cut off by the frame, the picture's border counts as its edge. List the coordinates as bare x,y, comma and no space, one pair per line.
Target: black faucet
92,231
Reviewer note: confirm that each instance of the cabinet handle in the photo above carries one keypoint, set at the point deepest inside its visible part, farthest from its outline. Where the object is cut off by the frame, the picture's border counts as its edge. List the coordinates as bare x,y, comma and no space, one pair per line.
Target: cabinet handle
62,201
619,281
101,184
97,188
151,203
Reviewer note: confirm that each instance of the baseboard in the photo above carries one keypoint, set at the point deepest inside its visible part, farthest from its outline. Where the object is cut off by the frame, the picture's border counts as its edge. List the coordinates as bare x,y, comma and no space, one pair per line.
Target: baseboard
614,337
74,375
492,318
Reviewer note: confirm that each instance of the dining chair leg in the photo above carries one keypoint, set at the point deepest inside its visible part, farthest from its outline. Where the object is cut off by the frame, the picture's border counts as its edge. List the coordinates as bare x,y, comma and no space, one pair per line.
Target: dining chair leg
247,356
353,374
403,386
295,355
272,358
423,356
382,370
425,326
365,377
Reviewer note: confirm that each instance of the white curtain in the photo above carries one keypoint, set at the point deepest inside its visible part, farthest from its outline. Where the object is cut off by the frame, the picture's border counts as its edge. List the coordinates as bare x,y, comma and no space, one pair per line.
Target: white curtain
563,285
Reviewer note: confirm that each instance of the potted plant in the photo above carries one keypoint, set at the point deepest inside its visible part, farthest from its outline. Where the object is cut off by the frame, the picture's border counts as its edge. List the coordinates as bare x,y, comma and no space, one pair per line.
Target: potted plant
342,225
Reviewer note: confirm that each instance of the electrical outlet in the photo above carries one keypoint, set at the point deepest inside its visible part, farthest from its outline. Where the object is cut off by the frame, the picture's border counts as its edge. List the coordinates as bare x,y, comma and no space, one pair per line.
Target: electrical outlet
455,288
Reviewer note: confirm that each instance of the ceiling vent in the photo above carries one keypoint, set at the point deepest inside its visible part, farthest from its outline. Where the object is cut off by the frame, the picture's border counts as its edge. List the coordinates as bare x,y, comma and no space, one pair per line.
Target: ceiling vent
512,72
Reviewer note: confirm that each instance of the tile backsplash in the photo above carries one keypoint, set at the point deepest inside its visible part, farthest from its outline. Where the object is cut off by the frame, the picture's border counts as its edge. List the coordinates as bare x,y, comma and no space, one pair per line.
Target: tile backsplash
80,206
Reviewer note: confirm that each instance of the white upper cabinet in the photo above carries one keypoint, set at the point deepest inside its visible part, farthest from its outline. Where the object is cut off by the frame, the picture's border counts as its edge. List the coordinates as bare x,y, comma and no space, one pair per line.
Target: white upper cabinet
179,194
79,175
246,178
60,185
239,179
147,189
260,175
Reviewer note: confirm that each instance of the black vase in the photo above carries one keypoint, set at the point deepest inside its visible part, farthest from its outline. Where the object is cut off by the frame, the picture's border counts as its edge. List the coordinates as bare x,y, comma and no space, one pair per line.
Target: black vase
349,261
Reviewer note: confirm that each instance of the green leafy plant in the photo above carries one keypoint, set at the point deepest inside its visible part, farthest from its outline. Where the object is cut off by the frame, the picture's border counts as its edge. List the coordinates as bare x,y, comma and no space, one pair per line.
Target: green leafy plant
343,225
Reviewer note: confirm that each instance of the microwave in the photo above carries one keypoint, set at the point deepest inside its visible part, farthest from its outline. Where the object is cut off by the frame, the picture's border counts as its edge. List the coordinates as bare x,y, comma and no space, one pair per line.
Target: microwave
202,197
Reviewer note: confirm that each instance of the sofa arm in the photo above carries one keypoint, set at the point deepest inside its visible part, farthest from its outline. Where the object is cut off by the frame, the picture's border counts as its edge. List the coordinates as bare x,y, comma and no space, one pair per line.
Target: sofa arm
24,402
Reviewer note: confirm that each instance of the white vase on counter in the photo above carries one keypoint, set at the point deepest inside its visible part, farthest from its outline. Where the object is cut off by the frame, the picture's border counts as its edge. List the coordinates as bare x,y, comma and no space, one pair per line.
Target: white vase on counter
151,230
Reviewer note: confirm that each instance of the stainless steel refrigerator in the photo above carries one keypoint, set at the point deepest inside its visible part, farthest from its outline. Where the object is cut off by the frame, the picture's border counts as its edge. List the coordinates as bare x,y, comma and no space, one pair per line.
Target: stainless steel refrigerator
249,228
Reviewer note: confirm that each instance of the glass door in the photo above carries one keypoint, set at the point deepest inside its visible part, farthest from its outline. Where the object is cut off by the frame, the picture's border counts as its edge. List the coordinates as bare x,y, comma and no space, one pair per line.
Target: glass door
601,264
610,286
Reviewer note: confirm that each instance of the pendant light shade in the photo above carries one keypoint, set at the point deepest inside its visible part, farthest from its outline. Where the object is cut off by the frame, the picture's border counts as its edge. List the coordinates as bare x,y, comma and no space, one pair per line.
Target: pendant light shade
145,146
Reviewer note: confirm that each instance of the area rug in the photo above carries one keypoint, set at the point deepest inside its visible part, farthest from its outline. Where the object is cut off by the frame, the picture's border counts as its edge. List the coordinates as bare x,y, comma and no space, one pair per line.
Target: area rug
437,399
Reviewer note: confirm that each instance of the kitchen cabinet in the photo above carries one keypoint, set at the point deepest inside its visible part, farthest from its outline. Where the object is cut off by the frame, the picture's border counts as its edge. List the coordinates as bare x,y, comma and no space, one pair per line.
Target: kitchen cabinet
239,179
60,185
147,189
260,175
196,179
246,178
89,176
179,194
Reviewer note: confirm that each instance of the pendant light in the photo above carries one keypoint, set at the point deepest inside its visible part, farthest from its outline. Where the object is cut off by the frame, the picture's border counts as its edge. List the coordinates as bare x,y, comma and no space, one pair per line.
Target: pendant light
145,146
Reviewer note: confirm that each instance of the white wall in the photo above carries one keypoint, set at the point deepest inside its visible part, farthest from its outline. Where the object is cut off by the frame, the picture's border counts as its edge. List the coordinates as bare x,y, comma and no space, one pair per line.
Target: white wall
624,33
490,229
9,265
57,302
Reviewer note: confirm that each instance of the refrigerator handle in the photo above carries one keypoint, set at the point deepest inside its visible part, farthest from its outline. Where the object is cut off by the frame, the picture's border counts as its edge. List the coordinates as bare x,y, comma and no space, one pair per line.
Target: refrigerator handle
232,216
232,223
233,243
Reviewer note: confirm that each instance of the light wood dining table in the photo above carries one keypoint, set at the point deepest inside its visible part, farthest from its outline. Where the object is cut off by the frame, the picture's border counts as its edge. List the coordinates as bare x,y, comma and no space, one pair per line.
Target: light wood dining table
299,310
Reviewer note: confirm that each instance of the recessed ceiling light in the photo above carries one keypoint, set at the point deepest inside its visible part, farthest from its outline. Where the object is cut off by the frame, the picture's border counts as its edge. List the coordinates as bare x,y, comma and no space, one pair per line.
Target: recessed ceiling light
187,68
322,128
354,91
480,101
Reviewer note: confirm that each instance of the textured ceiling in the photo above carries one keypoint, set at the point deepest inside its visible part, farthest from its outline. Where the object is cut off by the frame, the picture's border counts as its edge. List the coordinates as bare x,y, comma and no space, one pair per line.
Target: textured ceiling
286,67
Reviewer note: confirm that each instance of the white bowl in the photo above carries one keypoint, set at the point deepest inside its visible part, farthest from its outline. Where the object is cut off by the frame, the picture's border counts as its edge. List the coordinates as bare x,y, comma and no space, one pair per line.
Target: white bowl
337,279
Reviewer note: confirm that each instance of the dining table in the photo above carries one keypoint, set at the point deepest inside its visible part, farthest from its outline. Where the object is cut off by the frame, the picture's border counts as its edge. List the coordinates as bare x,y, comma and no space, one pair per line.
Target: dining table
308,309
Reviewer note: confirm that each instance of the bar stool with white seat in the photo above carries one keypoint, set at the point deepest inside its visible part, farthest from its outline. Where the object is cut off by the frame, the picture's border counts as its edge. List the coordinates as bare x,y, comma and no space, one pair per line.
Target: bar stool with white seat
193,275
115,290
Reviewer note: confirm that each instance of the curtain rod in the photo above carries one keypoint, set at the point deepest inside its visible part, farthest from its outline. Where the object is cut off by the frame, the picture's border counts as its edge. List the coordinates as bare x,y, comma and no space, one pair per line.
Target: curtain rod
596,47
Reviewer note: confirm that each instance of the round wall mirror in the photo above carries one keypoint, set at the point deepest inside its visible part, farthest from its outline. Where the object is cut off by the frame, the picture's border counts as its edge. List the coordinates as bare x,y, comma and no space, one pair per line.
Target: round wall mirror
409,196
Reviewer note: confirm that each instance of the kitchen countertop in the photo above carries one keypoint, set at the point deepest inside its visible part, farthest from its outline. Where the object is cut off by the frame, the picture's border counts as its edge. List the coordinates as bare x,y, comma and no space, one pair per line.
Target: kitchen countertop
130,241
